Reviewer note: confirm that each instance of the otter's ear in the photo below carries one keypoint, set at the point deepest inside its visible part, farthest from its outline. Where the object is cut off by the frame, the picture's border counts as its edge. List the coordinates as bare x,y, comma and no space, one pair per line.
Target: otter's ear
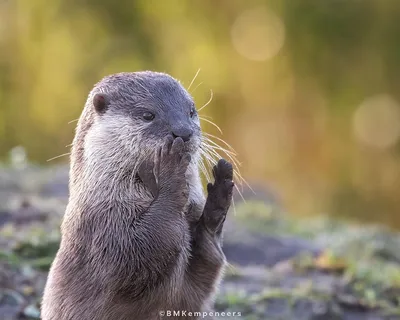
101,102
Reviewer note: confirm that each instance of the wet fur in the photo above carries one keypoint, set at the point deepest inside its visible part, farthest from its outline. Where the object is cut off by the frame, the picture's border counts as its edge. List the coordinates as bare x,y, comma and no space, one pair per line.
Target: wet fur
131,246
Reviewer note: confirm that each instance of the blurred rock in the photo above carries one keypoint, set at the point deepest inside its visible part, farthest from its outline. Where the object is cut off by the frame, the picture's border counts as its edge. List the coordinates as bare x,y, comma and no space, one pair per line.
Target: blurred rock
32,311
25,214
57,186
245,247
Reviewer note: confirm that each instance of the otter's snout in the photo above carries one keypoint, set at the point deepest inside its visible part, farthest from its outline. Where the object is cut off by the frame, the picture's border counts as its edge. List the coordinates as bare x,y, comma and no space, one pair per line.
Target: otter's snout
182,132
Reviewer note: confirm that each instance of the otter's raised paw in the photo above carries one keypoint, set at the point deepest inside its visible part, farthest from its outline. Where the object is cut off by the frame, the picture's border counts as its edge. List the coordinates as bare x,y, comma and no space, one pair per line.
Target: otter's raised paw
147,175
172,165
219,197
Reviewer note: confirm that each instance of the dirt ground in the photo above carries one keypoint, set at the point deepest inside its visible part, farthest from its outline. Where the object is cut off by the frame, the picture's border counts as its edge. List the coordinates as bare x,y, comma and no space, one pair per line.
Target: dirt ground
279,267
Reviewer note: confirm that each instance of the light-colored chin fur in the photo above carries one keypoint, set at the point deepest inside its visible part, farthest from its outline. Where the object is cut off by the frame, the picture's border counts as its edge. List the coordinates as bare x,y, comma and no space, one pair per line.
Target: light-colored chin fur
113,151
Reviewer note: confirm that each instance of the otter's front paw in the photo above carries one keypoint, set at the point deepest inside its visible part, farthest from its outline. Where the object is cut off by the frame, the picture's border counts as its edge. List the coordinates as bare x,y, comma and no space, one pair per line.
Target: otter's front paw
172,164
167,172
219,197
147,175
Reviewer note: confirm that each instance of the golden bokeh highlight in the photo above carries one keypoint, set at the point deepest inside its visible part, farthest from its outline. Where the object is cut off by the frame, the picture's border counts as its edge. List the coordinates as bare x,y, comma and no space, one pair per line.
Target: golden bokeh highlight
376,121
258,34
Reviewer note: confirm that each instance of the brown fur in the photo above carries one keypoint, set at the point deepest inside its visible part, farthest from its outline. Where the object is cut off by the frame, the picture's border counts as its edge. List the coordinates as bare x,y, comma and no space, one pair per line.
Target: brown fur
138,237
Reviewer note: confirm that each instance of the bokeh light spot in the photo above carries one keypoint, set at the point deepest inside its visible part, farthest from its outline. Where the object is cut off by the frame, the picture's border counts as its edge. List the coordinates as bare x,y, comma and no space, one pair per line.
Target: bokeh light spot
258,34
376,122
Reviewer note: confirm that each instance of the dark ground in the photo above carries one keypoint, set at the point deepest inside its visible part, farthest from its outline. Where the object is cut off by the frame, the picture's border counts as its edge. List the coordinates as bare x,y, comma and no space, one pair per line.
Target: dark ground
279,268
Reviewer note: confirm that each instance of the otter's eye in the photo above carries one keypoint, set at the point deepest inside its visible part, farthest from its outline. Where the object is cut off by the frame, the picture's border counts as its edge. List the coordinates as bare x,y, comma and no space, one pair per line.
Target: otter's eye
148,116
192,112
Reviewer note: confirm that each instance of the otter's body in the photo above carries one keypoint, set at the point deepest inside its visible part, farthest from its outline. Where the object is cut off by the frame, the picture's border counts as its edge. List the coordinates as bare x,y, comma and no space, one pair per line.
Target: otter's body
138,236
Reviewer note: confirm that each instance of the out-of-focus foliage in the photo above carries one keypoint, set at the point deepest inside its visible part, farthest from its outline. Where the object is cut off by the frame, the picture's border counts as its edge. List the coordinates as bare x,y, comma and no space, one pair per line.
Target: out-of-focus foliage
305,90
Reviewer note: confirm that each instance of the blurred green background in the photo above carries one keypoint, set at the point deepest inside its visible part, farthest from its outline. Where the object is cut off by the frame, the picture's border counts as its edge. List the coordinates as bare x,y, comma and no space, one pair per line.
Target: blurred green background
306,91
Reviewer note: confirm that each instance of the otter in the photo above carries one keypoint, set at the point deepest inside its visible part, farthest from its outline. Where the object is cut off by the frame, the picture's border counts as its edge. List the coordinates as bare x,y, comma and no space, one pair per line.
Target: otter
139,237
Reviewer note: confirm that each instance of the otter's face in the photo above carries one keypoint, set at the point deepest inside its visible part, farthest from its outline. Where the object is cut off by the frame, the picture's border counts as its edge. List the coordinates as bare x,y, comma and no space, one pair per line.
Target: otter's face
134,112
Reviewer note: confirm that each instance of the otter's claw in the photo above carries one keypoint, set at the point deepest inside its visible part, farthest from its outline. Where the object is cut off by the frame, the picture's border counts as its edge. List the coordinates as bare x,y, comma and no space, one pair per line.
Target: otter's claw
223,171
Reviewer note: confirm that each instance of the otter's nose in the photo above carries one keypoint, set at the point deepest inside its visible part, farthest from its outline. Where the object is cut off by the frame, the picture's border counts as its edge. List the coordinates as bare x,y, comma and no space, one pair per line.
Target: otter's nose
184,133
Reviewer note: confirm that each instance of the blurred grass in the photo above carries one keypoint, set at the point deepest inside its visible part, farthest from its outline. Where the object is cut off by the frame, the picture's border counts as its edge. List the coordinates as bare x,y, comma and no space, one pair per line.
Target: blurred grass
305,90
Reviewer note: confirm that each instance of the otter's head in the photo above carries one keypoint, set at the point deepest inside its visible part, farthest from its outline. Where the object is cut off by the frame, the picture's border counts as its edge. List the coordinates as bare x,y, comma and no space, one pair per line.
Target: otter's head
126,119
